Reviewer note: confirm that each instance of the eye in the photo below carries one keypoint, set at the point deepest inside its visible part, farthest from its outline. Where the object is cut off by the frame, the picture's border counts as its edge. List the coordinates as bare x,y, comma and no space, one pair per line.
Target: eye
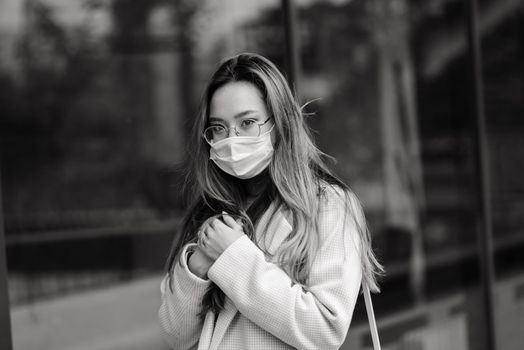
217,128
247,123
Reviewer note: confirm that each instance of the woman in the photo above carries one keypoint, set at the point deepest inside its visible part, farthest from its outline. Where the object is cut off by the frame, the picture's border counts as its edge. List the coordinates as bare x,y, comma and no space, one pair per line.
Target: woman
273,247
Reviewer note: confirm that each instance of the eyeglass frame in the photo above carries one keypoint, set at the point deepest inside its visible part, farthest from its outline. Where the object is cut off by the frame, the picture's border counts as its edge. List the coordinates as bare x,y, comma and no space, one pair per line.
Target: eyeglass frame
234,128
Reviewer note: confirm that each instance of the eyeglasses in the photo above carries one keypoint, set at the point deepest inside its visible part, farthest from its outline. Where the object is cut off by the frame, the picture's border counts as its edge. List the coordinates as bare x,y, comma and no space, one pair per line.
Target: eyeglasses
243,127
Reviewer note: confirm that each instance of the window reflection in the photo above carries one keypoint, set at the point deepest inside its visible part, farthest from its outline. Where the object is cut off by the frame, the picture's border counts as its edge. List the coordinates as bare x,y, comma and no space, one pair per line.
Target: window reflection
395,111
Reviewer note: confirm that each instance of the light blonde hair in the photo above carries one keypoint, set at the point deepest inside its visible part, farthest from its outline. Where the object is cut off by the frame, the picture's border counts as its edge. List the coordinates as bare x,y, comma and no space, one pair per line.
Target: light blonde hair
296,176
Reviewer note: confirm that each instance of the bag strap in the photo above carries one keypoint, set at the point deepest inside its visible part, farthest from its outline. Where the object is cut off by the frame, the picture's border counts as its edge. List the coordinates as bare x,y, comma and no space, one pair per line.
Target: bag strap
371,316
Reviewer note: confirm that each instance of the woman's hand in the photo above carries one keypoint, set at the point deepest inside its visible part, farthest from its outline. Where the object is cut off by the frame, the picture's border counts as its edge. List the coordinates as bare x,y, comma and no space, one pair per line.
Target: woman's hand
218,235
199,263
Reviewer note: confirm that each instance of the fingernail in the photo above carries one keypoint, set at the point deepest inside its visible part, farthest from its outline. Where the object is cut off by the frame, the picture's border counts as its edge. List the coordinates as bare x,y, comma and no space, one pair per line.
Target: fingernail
223,212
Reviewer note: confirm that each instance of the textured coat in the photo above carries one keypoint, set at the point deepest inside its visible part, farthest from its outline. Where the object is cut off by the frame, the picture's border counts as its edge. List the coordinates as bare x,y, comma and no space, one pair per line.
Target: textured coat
264,309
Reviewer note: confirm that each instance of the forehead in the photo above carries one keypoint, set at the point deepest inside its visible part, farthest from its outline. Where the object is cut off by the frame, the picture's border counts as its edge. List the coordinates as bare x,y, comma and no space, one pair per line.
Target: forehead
234,98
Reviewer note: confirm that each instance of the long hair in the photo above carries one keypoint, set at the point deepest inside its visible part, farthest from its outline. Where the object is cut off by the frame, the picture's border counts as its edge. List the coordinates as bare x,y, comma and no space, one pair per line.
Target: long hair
294,179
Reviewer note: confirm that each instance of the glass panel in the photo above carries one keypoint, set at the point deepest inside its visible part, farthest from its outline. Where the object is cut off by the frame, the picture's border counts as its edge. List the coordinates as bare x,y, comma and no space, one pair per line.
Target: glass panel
503,75
229,27
96,97
393,88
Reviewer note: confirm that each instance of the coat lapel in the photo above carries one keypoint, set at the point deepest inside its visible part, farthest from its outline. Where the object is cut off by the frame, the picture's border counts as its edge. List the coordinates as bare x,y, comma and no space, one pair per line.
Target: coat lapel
224,320
207,331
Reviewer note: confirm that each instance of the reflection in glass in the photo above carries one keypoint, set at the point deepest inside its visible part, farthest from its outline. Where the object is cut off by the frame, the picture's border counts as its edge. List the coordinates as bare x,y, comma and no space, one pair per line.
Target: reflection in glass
393,87
503,77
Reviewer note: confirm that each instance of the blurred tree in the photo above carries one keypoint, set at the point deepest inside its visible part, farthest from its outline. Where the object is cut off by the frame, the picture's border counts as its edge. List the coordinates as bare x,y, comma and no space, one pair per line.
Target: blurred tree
57,65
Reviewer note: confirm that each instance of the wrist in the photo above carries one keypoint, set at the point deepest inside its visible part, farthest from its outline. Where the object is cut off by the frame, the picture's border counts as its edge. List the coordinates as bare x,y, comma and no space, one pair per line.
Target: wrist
195,266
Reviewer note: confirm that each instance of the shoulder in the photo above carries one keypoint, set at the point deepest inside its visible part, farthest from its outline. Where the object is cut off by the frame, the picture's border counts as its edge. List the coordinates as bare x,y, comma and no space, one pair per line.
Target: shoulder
331,195
338,218
338,199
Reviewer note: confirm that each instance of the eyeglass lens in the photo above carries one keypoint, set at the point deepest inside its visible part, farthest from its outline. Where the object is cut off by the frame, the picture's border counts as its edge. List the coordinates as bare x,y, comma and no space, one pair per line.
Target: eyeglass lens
219,132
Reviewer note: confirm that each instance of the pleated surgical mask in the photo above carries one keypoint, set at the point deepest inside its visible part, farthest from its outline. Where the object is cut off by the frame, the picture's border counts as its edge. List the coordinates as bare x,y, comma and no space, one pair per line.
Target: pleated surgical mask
243,156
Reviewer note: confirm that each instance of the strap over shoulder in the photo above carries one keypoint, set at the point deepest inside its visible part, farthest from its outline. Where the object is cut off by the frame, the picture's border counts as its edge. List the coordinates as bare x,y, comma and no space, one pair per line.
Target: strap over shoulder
371,316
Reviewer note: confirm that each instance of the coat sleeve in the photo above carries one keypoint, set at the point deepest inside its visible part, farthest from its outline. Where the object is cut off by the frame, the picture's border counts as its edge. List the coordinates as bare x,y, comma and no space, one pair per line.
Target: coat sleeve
316,317
179,309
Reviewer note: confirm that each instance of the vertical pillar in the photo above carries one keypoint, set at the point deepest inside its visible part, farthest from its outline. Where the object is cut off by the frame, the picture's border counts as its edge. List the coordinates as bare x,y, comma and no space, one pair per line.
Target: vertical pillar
5,320
292,44
484,221
402,169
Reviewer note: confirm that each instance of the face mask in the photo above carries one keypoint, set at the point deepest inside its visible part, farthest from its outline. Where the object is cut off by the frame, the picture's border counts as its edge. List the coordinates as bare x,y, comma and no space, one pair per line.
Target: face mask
243,156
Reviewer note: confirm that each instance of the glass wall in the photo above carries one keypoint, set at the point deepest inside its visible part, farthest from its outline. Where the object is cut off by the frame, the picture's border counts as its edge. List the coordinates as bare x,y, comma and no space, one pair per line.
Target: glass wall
502,23
97,98
394,110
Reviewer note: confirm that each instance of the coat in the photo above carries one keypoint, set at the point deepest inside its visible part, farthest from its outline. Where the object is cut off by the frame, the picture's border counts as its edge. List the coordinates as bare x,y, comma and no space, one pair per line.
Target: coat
264,309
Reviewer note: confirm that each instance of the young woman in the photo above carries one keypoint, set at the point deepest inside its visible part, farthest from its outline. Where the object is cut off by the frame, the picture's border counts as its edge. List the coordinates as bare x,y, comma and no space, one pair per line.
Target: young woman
273,247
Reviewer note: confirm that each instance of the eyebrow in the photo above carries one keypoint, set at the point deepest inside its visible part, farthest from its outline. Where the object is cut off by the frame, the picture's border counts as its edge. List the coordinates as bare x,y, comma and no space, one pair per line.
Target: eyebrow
236,116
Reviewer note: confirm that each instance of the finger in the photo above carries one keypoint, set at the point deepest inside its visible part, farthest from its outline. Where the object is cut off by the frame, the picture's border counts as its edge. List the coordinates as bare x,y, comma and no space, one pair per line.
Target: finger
231,222
215,223
200,232
209,231
218,224
207,223
200,243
